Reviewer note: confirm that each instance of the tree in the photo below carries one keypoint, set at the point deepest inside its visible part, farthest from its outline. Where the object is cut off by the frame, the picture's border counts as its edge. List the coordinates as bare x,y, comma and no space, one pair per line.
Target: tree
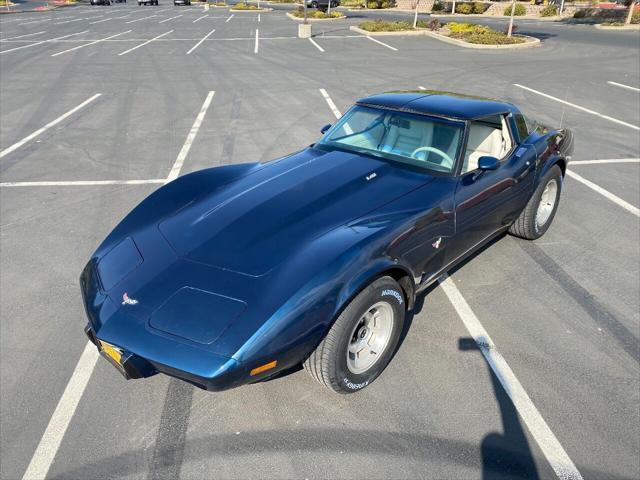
513,12
631,4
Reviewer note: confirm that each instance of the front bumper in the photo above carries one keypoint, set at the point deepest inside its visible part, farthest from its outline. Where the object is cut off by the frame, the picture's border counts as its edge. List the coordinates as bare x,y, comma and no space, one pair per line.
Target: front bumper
227,373
145,351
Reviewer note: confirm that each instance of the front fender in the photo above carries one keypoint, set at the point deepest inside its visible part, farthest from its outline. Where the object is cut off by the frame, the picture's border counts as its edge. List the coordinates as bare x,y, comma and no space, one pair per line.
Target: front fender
300,324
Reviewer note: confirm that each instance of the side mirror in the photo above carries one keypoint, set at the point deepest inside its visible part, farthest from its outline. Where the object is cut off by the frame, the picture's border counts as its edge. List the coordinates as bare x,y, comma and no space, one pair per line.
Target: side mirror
324,129
488,163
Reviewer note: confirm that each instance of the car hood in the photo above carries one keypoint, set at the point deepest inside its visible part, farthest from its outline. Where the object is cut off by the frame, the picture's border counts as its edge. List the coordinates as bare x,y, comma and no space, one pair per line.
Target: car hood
252,224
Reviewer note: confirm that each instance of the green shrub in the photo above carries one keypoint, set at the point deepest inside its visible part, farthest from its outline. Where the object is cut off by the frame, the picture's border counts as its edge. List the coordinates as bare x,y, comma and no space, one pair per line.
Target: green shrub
480,34
520,10
549,11
635,18
467,28
380,25
244,6
378,4
316,14
464,8
478,7
580,14
472,33
493,38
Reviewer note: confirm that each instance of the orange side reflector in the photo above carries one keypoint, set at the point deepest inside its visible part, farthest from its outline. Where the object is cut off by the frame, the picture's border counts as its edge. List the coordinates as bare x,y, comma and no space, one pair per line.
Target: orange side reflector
263,368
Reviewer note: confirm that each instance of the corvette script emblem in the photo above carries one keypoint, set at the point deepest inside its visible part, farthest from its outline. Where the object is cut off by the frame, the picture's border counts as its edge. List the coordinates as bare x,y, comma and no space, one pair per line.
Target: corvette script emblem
128,301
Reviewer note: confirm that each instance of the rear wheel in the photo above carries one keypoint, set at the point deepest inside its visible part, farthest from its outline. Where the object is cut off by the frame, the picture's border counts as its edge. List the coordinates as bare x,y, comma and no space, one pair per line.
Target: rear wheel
537,216
362,340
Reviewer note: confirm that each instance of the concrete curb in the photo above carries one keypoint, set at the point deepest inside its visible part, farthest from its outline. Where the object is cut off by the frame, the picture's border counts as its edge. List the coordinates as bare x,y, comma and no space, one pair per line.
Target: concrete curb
315,20
51,7
255,10
624,28
371,9
530,41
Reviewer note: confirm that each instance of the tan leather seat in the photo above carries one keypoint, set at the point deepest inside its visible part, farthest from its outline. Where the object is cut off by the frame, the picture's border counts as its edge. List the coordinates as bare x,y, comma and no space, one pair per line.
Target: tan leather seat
483,141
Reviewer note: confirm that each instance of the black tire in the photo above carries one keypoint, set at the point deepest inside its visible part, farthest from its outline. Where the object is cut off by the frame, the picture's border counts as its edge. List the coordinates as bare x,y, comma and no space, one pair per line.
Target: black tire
314,4
328,363
526,225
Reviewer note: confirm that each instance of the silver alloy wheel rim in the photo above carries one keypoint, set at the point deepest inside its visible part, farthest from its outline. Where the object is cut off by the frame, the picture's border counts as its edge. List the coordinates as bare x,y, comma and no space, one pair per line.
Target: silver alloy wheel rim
370,337
547,202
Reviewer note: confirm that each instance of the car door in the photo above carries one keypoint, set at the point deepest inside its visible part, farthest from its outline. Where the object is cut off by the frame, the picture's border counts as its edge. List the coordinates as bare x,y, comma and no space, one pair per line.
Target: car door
488,200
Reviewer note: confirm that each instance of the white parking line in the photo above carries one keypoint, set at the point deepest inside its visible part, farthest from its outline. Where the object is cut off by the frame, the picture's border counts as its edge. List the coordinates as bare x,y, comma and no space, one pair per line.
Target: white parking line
200,18
53,434
202,40
334,109
35,21
177,166
22,36
52,123
140,19
610,160
82,183
145,43
170,18
230,17
332,105
382,43
316,45
549,445
258,17
255,48
107,19
70,21
90,43
621,85
586,110
41,42
605,193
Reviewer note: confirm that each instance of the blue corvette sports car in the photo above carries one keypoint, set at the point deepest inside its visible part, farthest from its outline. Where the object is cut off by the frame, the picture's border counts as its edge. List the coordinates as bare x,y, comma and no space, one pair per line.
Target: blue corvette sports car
232,274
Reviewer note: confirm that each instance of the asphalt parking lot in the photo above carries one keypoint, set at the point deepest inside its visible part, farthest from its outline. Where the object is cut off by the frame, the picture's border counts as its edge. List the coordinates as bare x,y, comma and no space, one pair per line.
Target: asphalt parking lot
101,105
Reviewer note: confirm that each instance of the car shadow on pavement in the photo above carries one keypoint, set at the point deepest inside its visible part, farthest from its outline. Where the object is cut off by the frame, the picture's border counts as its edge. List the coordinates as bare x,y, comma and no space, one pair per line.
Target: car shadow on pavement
506,454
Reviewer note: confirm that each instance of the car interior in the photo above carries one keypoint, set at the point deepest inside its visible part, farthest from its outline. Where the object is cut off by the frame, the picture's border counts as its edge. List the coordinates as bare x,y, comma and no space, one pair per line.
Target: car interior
424,140
420,139
487,137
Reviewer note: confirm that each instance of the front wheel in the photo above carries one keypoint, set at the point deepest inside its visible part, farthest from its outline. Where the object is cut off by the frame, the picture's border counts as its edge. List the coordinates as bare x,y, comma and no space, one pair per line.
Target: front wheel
362,340
537,216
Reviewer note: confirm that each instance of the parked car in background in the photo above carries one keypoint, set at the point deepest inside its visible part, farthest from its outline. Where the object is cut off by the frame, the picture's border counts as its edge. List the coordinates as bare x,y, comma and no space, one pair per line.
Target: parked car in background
322,4
100,2
147,2
181,2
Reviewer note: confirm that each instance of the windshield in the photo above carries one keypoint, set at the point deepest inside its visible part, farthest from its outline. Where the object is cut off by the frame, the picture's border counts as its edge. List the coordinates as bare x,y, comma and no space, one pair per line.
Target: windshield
419,140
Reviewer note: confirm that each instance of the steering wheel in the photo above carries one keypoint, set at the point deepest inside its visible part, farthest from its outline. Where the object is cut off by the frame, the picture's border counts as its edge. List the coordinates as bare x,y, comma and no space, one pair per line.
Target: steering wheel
448,161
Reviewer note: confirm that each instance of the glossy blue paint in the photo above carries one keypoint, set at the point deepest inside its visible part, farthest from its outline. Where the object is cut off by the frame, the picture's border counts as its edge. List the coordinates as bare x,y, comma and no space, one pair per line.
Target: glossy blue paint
229,268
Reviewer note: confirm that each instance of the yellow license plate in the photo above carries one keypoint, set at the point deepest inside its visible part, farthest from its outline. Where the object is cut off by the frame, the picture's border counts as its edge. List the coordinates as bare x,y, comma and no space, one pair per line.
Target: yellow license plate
112,352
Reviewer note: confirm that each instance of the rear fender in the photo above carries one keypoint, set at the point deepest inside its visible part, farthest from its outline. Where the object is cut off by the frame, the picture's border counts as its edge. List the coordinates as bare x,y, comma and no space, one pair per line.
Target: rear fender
553,148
